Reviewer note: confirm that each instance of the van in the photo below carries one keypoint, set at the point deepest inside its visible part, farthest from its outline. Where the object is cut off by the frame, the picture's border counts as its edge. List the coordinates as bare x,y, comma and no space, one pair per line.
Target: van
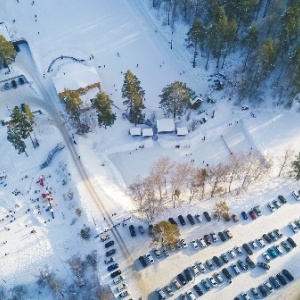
161,294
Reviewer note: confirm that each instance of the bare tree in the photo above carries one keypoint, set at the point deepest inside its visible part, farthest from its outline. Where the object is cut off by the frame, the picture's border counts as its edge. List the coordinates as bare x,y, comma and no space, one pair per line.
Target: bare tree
198,180
78,266
286,159
235,164
217,176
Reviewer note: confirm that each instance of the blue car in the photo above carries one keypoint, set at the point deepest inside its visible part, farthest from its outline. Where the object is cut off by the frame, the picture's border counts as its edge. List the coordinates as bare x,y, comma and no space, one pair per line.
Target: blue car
244,215
112,267
272,252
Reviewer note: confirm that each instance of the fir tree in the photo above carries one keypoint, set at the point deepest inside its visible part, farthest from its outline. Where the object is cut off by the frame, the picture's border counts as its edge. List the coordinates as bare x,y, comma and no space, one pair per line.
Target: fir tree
15,138
102,104
7,52
296,167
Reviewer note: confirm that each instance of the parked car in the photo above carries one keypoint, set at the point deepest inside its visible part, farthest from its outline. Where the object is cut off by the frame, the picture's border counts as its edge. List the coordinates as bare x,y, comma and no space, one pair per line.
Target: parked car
235,268
271,206
244,215
294,227
161,294
257,210
212,281
190,295
182,297
191,219
104,238
141,229
278,233
176,284
222,236
224,258
218,277
143,261
238,250
245,296
207,216
181,220
112,267
261,242
217,261
252,214
109,244
228,233
123,286
231,253
200,266
267,238
263,265
266,256
287,274
205,284
296,195
115,273
275,282
277,248
195,270
235,218
272,252
111,252
282,199
297,222
198,218
269,286
157,252
276,204
14,84
263,290
255,293
183,243
181,279
209,264
198,290
281,279
250,262
150,229
188,274
292,242
242,265
273,236
207,239
150,258
226,273
247,249
124,294
226,217
202,243
132,230
214,237
286,247
119,279
194,244
253,244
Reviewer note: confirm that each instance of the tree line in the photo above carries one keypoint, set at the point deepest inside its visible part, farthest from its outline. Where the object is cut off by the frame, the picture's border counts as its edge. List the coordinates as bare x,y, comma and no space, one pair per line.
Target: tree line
264,33
170,183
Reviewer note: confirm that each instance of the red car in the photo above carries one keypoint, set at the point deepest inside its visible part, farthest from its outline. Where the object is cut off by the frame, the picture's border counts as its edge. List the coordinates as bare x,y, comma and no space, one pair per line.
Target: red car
207,240
252,214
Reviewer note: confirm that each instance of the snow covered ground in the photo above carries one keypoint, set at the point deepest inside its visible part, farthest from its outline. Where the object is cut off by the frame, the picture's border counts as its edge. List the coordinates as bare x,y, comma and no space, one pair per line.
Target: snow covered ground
121,35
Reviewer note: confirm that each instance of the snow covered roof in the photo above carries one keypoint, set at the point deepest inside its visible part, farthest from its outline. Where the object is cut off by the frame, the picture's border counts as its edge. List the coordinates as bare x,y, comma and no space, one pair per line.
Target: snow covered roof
4,32
135,131
182,131
76,80
147,132
196,100
165,125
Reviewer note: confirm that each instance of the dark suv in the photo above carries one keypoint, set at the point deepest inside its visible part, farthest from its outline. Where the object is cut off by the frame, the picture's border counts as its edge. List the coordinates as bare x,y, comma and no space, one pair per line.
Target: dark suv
267,238
282,199
247,249
181,279
188,275
226,273
191,219
172,221
287,274
281,279
217,261
143,261
132,231
207,216
111,252
207,239
109,244
181,220
292,242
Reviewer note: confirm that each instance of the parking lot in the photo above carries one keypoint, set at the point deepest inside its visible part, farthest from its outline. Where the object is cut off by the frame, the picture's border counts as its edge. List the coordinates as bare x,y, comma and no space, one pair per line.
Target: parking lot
163,265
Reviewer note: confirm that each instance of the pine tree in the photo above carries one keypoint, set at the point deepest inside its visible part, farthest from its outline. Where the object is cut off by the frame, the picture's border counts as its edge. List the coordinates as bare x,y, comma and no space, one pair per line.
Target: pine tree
134,94
22,122
195,36
250,43
102,104
72,103
166,233
296,167
7,52
15,138
175,99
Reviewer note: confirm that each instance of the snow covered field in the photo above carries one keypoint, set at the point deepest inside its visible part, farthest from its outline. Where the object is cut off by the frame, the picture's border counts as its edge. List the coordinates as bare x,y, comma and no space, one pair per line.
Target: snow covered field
121,35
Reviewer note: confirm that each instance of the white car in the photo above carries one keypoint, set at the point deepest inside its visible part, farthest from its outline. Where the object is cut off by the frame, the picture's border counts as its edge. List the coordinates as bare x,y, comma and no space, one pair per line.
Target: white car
266,256
271,206
122,287
214,237
109,260
150,258
190,295
196,272
231,254
119,279
278,249
202,243
183,243
294,227
218,277
261,242
245,296
177,284
161,293
296,195
124,294
253,244
212,281
194,244
200,266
